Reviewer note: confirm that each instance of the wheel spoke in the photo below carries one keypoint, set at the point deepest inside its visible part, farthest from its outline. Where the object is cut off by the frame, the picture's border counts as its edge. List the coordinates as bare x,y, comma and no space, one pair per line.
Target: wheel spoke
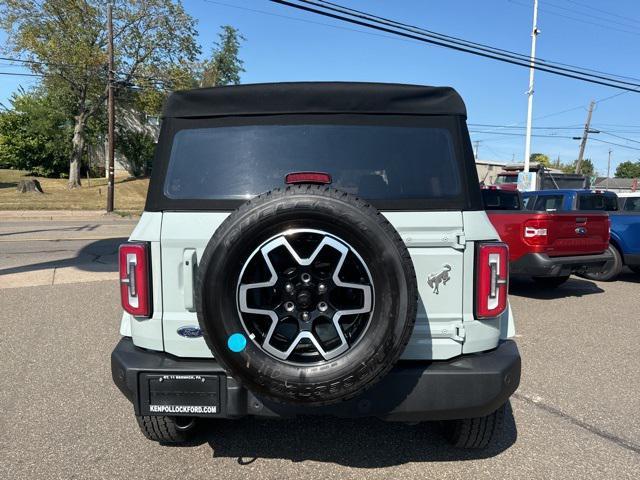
305,330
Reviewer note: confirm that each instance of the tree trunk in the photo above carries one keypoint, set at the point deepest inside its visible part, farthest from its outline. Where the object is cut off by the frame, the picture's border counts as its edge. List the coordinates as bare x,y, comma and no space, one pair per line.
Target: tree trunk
77,149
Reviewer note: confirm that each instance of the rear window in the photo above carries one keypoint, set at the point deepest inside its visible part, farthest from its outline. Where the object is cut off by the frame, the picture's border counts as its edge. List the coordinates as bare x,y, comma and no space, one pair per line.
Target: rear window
495,199
372,161
548,203
632,204
506,179
597,201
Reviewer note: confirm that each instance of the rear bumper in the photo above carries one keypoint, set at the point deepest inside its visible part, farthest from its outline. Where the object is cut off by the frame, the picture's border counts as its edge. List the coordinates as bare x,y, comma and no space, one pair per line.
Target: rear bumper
542,265
632,259
464,387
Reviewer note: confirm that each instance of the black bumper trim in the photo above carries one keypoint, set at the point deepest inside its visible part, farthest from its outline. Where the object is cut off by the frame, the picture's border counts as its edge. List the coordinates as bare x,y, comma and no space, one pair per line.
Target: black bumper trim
542,265
468,386
632,259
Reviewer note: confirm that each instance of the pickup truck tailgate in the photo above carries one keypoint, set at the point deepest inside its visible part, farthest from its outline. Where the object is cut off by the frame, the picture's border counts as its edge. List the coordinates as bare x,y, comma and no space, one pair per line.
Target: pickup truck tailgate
577,234
554,234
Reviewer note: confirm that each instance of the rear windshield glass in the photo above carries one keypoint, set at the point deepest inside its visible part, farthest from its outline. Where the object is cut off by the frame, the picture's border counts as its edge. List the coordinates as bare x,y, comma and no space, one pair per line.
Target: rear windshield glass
374,162
632,204
506,179
500,200
548,203
597,201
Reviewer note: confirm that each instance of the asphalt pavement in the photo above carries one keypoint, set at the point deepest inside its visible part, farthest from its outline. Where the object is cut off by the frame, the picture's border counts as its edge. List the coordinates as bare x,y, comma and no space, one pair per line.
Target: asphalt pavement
575,414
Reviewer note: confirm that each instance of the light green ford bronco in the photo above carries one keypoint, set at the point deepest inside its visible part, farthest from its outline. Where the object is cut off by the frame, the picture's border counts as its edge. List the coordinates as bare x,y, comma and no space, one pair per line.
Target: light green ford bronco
315,249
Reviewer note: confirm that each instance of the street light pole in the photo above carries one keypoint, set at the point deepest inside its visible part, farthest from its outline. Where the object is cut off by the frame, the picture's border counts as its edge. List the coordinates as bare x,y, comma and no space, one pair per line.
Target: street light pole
110,113
534,36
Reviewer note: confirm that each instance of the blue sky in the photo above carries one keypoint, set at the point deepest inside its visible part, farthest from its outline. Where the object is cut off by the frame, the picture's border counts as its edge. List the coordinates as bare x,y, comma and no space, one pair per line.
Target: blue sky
283,44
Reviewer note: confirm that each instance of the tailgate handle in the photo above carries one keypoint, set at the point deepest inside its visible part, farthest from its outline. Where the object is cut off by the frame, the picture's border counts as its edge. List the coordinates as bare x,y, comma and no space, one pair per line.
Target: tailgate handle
581,220
189,261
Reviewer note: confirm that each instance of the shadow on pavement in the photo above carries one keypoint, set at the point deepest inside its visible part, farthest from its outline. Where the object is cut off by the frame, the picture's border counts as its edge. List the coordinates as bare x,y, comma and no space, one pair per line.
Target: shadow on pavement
359,443
628,276
75,228
574,287
97,256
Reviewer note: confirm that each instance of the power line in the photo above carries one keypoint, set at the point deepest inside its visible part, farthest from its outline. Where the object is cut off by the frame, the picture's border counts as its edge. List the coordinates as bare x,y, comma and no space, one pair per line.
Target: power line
620,137
611,82
150,79
573,127
606,12
517,134
16,74
519,57
580,20
567,110
597,17
616,144
484,47
311,22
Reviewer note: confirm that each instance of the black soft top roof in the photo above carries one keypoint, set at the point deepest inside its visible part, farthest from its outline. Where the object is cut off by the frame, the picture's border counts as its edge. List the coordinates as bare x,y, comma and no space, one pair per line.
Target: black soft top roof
314,97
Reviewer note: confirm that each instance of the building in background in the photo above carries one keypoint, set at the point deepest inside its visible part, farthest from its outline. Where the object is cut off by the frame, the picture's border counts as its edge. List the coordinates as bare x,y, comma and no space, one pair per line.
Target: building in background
618,185
488,170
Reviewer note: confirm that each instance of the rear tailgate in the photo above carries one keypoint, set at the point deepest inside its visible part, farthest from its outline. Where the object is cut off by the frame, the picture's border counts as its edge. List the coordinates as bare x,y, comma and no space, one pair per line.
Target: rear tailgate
556,234
577,234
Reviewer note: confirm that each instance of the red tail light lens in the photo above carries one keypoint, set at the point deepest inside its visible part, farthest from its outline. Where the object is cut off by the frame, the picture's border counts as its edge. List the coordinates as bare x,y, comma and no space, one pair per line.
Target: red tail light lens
536,232
135,283
308,177
492,281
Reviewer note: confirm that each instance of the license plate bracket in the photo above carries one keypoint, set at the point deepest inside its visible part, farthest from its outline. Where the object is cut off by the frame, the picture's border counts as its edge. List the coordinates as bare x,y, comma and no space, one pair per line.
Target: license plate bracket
180,395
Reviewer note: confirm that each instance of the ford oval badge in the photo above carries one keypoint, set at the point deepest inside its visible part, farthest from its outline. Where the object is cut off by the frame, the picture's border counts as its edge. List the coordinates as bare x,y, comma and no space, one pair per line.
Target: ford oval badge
190,331
581,231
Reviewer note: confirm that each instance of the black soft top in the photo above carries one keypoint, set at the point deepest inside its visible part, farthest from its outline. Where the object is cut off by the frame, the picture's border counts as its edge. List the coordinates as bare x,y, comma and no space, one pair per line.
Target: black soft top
314,97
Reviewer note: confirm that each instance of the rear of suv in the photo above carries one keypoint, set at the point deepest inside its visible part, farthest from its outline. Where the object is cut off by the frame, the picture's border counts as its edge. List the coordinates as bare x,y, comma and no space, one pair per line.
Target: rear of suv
316,249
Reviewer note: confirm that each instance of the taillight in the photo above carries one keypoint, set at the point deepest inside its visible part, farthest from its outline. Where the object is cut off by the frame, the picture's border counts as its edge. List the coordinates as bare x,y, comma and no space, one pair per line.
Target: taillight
492,280
536,232
135,280
308,177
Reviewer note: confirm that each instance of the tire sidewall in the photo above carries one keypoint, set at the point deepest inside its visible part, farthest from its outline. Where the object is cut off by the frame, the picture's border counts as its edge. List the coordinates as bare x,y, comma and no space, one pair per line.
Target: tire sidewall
394,296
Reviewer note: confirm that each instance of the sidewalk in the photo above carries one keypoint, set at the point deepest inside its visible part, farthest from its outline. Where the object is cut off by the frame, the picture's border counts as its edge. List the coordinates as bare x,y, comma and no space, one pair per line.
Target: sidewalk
64,215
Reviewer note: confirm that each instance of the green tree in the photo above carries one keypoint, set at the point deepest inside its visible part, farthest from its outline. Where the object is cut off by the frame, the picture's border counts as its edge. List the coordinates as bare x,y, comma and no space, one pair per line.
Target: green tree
66,41
225,66
35,134
541,158
138,149
586,167
628,169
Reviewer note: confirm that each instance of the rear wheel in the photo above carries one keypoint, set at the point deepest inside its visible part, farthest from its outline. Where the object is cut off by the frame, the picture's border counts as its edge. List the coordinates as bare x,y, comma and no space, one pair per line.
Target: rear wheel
551,282
610,270
167,429
476,432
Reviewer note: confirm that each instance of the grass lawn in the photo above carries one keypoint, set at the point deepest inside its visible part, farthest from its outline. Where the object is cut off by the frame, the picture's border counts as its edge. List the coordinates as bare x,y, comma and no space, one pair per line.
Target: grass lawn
129,197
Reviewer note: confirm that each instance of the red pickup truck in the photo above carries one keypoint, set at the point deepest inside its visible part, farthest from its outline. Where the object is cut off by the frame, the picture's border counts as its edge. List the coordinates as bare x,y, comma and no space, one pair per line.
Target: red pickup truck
548,246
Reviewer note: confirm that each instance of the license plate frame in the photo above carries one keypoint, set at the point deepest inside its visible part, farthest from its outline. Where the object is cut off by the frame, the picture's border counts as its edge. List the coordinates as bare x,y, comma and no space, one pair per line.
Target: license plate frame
192,395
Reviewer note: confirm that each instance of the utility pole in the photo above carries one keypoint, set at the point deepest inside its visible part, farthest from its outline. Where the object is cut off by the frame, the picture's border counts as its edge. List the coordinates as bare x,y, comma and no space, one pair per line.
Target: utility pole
534,36
609,168
477,143
583,143
111,113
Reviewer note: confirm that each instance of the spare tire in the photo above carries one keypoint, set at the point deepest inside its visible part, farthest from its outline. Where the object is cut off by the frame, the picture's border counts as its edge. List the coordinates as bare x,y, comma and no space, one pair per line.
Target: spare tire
306,295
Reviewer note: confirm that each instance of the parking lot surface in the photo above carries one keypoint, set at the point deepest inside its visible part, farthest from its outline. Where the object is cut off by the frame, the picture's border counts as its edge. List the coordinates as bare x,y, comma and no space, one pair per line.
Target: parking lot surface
574,416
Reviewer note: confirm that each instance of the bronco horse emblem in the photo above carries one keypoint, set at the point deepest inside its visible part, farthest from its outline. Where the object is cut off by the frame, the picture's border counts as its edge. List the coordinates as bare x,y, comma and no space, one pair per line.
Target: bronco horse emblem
435,279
